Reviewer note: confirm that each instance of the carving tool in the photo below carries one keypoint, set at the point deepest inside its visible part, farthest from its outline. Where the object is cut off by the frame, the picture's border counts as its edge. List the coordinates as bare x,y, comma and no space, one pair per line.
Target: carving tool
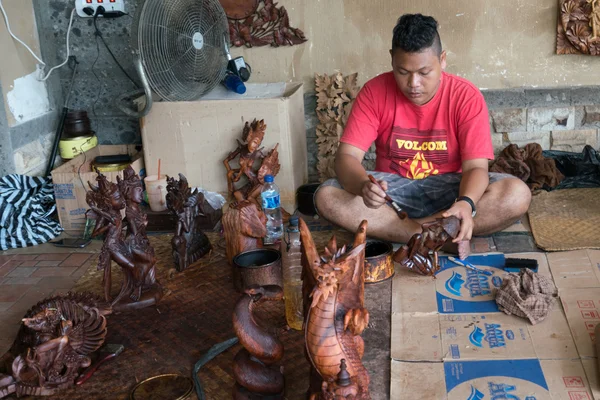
106,353
402,214
467,264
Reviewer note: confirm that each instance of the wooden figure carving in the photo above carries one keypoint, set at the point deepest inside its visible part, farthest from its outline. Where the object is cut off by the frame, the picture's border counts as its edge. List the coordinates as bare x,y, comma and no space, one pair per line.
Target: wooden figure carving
335,314
55,341
260,23
254,367
253,178
244,227
189,242
415,254
578,30
131,251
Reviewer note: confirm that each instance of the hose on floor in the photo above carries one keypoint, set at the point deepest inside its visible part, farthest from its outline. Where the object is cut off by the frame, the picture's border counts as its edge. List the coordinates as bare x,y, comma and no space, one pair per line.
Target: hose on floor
210,354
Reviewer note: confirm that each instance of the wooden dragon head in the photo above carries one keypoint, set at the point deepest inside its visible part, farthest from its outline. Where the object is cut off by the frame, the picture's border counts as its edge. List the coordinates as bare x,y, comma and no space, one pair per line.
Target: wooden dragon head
338,267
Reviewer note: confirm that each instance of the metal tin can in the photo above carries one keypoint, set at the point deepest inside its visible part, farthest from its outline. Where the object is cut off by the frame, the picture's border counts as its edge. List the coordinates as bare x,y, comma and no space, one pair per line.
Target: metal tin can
379,265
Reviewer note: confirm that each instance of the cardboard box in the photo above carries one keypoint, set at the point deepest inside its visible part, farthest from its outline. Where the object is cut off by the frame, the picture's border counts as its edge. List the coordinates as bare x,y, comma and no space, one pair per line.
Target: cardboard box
456,289
193,138
459,352
527,379
582,307
69,180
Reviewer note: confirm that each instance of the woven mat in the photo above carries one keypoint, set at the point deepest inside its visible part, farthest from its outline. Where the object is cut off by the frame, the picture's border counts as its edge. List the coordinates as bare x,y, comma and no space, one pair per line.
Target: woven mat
566,219
194,315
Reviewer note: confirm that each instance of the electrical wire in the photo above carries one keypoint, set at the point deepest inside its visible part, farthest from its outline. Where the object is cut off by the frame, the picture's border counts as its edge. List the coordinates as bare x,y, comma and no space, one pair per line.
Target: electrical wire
99,34
31,51
100,85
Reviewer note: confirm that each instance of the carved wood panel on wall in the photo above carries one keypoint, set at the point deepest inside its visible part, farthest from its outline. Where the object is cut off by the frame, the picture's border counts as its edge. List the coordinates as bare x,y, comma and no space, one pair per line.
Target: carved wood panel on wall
578,30
260,23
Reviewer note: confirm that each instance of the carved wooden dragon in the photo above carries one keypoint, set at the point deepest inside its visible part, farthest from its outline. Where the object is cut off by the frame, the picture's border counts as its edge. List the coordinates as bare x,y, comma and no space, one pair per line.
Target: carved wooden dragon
336,316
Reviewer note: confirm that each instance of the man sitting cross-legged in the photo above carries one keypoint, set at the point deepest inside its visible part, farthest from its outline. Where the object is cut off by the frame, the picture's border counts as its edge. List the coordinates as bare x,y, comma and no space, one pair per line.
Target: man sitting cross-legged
433,142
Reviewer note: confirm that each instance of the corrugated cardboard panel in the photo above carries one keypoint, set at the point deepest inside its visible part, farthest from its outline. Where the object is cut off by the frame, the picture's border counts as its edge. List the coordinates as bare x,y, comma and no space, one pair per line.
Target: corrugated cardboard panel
582,307
71,183
417,381
552,338
412,292
194,138
574,269
516,379
485,337
566,379
590,365
416,337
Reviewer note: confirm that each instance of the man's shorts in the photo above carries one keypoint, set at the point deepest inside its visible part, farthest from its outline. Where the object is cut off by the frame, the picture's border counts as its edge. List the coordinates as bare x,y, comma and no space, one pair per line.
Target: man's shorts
421,197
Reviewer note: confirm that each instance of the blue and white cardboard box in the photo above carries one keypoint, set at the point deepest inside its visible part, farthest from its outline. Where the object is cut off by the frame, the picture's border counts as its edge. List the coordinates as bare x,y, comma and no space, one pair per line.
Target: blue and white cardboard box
528,379
488,354
462,290
457,289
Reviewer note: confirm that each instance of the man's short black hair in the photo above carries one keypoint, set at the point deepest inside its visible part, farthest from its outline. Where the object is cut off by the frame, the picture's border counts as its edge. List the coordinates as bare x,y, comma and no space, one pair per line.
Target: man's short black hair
415,33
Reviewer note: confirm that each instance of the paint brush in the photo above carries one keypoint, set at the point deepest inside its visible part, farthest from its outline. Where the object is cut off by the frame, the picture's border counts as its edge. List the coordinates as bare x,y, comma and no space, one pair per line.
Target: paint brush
467,264
402,214
106,353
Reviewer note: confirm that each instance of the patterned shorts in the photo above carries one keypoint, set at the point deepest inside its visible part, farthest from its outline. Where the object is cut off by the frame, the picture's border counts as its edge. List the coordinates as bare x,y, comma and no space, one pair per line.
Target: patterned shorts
421,197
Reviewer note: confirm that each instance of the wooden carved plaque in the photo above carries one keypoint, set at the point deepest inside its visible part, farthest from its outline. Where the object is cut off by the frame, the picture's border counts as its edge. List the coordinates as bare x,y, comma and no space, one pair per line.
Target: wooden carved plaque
578,30
260,23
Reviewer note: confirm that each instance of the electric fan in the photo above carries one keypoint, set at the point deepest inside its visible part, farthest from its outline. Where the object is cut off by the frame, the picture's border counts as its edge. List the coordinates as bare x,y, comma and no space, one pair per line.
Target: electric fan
181,49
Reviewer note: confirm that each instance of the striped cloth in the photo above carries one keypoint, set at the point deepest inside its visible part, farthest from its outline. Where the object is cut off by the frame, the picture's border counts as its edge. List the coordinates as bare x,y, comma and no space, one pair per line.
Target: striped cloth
26,204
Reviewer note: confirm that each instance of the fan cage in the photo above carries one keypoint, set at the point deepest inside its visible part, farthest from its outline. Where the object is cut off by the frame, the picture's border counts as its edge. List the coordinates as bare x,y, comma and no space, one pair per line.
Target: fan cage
177,67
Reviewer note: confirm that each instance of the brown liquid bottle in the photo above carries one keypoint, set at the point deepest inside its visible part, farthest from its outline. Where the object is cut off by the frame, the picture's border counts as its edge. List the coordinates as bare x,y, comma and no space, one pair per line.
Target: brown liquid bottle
291,257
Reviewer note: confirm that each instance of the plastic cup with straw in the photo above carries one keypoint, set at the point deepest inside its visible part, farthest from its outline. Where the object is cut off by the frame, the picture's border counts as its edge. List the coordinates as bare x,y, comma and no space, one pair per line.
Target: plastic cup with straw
156,188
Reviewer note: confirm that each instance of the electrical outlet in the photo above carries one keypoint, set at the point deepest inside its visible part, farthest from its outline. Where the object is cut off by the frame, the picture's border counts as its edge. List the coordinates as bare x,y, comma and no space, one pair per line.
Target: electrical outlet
109,5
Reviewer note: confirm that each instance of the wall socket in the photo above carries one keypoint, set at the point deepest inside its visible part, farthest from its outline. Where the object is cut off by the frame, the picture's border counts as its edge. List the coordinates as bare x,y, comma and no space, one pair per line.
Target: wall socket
109,5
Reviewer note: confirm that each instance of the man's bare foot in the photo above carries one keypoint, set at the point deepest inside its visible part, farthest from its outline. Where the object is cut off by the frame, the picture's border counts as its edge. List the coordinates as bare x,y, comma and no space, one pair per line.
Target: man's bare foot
462,249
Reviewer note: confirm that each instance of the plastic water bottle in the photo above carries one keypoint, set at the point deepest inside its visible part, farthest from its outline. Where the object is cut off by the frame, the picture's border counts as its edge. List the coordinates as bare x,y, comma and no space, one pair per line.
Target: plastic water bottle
291,257
271,207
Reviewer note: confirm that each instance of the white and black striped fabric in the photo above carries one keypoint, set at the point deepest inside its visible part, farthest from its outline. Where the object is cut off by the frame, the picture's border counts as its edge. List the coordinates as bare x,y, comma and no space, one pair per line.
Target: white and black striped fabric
26,206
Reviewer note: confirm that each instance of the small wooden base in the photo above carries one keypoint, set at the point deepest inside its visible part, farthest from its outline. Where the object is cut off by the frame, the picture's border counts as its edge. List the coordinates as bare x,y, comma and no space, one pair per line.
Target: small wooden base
149,297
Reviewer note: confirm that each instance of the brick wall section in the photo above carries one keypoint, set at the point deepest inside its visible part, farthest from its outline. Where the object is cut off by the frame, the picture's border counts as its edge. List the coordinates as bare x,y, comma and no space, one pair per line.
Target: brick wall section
557,119
565,119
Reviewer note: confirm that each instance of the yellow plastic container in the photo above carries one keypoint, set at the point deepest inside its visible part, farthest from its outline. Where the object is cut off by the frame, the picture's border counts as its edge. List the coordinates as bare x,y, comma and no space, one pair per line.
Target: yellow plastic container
110,167
72,147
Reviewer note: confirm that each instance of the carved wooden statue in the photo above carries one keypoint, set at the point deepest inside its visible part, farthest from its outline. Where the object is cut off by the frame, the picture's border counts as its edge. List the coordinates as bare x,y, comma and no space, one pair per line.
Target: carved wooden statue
578,30
415,254
343,388
55,341
253,178
244,227
131,251
260,23
189,242
335,314
254,368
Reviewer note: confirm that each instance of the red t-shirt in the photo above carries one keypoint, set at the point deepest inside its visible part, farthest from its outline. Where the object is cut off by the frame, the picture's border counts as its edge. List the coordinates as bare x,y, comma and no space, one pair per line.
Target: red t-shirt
418,141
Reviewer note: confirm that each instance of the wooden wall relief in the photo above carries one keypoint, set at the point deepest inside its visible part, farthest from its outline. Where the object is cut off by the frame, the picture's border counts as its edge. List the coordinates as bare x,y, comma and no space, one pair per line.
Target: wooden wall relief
260,23
578,30
335,96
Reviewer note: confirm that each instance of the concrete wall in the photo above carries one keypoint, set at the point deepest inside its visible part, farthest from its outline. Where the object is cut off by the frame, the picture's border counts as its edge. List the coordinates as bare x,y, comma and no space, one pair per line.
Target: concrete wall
27,112
94,90
495,43
498,44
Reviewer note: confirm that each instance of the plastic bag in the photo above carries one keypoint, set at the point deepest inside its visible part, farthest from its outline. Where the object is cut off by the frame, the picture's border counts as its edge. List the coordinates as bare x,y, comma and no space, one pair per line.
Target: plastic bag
581,170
